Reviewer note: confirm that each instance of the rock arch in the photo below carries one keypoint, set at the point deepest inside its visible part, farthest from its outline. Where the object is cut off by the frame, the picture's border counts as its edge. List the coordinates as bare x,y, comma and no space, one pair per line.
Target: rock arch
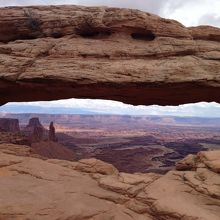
44,56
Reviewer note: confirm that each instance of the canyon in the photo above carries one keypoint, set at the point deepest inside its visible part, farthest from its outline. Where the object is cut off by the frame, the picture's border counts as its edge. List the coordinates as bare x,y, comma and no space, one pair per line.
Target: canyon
130,143
54,52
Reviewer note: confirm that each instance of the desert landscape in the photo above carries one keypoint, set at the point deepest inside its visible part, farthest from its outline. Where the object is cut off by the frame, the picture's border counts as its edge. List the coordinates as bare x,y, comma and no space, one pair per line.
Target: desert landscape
44,179
131,143
109,166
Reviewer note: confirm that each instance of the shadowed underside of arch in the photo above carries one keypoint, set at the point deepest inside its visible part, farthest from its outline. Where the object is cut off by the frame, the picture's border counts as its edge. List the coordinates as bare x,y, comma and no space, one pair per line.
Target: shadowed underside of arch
56,52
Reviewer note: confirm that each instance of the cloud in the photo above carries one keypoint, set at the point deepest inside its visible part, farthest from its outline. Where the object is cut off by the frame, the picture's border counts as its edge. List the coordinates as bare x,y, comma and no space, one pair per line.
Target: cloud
188,12
210,19
36,2
201,109
147,5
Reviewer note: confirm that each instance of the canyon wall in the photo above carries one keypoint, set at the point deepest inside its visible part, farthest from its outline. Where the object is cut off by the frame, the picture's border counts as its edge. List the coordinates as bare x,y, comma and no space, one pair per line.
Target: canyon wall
9,125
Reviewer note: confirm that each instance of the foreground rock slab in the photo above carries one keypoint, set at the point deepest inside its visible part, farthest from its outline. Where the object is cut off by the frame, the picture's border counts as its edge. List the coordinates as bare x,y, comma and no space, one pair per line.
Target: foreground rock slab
55,52
35,188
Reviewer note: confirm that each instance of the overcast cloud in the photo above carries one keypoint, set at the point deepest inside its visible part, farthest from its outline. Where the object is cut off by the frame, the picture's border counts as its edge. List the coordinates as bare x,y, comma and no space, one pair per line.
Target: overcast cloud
213,19
188,12
88,106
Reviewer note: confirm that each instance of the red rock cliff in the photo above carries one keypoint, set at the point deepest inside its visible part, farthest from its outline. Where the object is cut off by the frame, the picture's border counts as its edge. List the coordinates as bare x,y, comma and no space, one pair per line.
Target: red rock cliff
9,125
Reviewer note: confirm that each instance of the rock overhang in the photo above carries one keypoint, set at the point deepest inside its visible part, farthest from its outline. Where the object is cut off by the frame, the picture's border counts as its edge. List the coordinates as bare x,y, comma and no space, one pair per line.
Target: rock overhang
53,52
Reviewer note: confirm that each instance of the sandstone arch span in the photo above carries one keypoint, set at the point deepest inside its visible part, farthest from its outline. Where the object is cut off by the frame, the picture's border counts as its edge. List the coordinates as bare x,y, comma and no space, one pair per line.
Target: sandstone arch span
54,52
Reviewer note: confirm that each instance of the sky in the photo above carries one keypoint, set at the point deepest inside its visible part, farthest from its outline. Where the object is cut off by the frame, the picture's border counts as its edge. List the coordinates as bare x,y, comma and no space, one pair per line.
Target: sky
188,12
88,106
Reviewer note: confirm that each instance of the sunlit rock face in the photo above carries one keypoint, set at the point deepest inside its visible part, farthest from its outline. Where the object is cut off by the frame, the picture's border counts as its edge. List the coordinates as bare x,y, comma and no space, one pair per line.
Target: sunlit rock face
58,52
92,189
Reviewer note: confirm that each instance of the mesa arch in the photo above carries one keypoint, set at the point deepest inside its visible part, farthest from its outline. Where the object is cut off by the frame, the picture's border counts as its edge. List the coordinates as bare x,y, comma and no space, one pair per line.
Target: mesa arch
54,52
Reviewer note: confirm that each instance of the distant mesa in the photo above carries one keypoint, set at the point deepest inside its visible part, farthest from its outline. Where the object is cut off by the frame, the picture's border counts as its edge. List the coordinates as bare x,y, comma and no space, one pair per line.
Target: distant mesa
9,125
41,140
35,130
34,122
37,133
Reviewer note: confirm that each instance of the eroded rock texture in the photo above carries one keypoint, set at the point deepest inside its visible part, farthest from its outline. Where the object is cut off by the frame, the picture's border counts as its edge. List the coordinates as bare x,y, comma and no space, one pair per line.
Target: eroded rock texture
9,125
98,52
33,188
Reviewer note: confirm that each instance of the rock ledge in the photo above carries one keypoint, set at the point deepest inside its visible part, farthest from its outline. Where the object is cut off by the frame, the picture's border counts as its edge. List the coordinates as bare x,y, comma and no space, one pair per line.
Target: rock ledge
35,188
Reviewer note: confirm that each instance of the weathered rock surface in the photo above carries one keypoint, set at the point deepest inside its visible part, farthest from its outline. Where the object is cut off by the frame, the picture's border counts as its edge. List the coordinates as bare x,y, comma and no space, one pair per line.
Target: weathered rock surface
204,159
96,166
9,125
98,52
32,188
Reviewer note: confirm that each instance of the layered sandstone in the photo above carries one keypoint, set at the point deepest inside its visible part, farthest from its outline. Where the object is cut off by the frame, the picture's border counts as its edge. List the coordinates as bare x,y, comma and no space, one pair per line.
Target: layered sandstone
34,130
55,52
9,125
33,188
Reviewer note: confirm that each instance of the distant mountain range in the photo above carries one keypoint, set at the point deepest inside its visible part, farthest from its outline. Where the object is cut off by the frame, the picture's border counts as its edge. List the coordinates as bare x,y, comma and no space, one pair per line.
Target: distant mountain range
115,121
107,107
43,110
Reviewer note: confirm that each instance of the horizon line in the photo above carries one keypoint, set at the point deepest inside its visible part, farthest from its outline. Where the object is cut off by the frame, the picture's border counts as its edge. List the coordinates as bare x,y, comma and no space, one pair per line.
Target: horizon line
104,114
